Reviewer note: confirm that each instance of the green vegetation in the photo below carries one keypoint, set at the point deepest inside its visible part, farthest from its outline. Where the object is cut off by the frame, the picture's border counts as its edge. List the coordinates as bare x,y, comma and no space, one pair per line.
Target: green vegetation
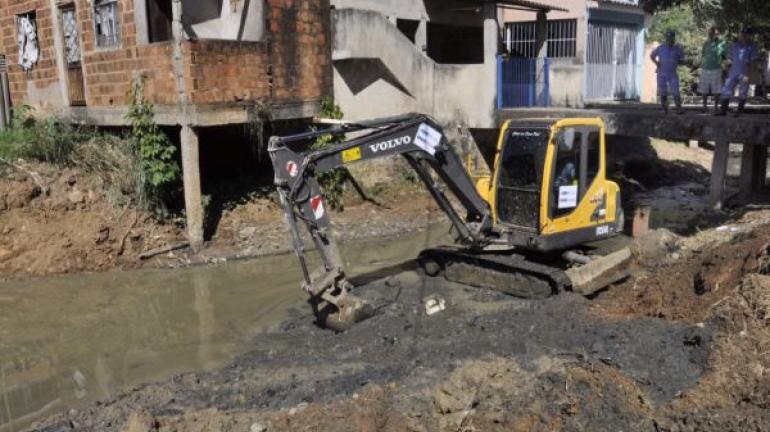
154,151
729,15
47,141
140,168
333,182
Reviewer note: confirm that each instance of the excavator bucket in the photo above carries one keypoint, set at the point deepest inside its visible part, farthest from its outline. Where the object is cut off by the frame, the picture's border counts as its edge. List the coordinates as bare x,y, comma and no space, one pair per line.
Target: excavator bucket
345,313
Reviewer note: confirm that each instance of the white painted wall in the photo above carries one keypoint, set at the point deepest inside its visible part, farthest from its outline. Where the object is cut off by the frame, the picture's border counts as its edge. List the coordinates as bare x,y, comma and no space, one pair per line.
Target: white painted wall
455,12
218,19
461,94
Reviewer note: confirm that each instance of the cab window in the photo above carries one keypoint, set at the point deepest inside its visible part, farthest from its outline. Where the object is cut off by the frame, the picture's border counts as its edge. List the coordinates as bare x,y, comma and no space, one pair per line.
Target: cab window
567,171
594,156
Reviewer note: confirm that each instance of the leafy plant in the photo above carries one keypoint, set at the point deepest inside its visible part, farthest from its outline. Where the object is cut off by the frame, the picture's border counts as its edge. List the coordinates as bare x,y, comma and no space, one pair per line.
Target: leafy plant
155,152
48,141
332,182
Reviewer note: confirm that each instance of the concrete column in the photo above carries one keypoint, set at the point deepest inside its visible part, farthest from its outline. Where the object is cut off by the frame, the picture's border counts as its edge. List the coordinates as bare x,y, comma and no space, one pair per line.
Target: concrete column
140,23
541,48
58,48
719,173
746,181
491,34
192,186
541,36
760,167
421,36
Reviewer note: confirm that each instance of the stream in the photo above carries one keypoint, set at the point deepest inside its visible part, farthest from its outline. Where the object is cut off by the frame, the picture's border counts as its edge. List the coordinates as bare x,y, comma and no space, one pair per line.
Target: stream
69,340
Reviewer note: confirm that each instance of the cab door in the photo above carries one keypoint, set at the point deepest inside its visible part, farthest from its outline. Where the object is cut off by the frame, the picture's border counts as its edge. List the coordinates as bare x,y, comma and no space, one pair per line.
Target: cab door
574,205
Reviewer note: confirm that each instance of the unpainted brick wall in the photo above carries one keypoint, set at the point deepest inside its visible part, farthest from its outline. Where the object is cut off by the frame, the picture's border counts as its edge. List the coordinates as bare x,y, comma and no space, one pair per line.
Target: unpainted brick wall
300,49
220,71
45,72
296,51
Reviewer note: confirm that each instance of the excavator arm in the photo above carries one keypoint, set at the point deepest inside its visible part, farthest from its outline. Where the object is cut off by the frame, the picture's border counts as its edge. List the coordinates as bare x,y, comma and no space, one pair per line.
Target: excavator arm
421,142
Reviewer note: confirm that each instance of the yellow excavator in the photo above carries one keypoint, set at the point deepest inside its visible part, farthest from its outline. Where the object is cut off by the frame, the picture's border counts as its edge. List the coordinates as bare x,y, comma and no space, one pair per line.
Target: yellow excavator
524,229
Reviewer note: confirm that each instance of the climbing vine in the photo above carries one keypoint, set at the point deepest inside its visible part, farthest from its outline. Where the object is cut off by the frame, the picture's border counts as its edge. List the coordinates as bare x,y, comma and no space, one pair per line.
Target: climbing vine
155,152
333,182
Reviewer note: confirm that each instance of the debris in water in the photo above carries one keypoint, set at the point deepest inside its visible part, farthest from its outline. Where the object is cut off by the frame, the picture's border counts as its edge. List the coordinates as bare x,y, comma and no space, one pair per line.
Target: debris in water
434,305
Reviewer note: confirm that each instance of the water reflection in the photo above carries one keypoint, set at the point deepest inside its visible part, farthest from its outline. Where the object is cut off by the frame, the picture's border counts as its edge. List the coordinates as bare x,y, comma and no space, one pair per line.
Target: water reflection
68,340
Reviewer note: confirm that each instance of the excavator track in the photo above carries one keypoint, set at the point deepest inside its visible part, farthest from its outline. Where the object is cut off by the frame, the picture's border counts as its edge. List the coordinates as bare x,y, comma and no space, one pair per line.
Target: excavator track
512,274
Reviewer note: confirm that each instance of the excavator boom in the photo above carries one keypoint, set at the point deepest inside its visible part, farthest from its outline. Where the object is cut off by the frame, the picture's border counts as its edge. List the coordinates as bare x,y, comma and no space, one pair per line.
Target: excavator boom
415,137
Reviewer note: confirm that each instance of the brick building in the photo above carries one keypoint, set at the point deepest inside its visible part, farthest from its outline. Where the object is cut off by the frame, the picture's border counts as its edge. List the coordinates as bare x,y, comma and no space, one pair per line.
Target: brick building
205,63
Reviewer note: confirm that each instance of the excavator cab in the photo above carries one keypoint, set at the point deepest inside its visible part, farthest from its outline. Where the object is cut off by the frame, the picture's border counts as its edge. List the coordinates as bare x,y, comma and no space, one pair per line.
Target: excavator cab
549,190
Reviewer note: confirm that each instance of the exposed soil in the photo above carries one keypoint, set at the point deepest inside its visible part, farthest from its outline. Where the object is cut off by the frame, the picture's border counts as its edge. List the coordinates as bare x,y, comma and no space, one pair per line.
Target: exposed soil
56,222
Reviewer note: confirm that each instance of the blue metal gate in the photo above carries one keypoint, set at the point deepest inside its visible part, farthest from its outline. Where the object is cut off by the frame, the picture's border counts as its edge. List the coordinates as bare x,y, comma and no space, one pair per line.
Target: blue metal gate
522,82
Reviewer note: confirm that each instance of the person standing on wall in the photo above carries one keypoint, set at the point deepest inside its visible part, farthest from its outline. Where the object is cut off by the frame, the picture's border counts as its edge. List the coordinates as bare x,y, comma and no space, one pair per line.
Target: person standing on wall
711,82
743,53
667,58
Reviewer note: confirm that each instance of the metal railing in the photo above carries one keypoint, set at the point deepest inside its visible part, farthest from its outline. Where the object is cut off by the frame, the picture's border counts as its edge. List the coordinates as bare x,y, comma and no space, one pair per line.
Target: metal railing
523,82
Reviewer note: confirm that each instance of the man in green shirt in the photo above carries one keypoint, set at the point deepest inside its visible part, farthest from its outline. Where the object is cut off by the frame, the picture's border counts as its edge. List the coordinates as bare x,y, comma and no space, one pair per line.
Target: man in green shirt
711,68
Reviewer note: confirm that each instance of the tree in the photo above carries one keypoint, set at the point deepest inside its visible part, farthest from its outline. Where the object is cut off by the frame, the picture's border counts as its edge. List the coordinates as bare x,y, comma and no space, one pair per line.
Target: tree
729,15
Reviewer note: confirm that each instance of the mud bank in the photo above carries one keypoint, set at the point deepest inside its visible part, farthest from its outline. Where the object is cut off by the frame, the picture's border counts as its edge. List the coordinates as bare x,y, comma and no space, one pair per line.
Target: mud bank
66,221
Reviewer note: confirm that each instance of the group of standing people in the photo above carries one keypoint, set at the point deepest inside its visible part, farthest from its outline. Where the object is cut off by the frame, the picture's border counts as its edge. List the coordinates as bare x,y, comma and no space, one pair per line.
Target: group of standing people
741,55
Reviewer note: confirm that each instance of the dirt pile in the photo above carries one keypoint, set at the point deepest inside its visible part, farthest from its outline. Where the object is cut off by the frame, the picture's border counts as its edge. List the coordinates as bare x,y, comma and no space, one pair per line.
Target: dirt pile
685,285
62,221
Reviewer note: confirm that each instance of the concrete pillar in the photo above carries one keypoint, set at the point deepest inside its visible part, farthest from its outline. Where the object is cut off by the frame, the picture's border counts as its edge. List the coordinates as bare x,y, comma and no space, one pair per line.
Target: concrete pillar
491,35
760,167
192,186
421,36
719,173
541,36
746,180
541,48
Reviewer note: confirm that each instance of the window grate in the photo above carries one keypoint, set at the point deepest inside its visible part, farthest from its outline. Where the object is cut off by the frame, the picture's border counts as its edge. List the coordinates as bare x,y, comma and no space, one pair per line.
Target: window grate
106,26
561,37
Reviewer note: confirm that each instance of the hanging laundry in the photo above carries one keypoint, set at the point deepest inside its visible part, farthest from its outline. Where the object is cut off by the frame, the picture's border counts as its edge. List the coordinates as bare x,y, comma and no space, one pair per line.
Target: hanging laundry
29,52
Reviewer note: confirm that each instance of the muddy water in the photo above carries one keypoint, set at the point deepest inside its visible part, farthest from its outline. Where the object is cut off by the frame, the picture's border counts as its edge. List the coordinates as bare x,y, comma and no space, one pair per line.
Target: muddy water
678,208
66,341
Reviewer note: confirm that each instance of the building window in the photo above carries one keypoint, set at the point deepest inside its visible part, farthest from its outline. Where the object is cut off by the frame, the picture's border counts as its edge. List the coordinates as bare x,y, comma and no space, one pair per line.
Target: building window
561,36
159,20
106,24
29,50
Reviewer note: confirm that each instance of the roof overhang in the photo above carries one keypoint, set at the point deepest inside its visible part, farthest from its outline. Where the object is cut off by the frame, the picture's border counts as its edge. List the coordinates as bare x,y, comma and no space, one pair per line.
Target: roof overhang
525,5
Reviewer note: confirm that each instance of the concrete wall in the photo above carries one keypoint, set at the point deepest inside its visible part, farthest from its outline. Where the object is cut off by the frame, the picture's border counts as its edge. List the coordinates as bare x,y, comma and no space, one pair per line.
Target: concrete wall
567,82
649,76
224,19
440,11
393,76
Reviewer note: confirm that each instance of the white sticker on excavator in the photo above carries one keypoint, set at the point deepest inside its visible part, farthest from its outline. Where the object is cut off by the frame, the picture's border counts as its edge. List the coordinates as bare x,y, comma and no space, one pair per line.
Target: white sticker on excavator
317,203
427,139
568,197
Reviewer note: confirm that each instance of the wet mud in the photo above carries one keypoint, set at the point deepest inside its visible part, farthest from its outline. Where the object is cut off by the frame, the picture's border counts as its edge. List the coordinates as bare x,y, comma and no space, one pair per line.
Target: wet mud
549,341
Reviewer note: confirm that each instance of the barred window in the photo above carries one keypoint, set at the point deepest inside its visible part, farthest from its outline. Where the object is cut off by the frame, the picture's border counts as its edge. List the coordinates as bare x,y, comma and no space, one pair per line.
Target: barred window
106,25
561,37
